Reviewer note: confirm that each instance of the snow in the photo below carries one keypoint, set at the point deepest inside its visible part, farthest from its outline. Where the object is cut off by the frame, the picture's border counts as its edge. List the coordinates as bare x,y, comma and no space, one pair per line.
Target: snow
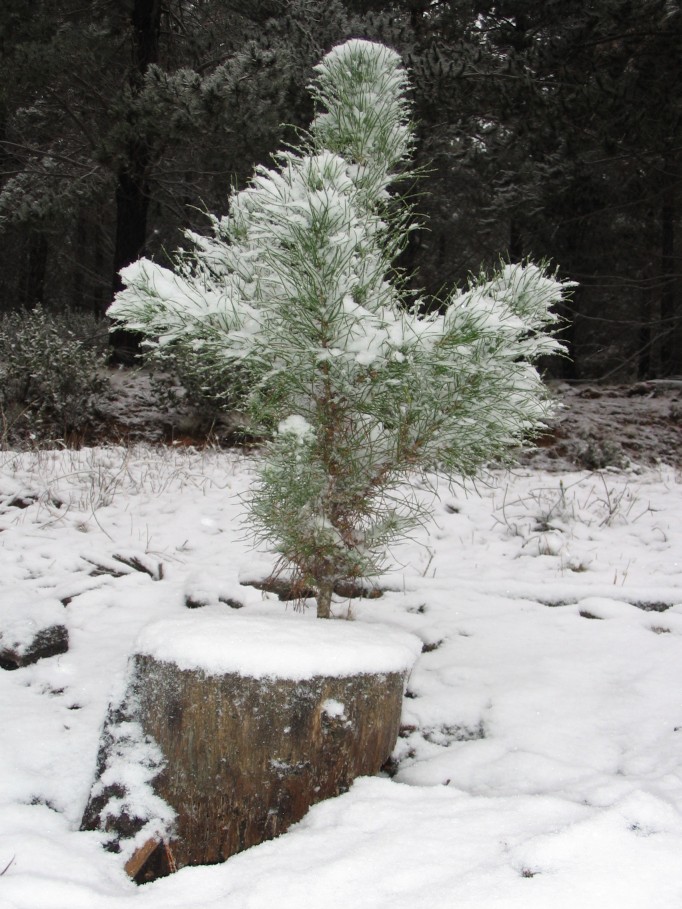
132,763
217,643
23,618
540,756
334,708
295,424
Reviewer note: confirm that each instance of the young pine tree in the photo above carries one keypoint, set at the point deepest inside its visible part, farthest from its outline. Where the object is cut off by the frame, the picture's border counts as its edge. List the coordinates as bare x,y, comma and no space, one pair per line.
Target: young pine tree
357,388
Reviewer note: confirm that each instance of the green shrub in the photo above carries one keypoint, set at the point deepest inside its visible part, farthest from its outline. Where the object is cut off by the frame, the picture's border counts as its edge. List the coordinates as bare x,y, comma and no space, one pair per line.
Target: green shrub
183,377
50,374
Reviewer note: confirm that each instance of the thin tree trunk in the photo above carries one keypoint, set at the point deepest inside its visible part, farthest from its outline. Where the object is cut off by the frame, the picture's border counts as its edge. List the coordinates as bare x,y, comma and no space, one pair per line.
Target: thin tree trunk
99,288
36,269
132,191
324,600
645,358
132,207
515,241
80,260
671,356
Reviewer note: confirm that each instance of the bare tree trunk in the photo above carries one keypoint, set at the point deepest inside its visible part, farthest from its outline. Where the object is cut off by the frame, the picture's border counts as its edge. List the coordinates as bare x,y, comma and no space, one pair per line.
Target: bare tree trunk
671,355
36,269
324,600
515,241
645,368
132,190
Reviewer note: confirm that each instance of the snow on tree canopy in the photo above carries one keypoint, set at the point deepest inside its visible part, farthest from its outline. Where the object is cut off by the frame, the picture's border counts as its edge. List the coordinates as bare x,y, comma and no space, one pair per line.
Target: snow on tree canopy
363,87
296,287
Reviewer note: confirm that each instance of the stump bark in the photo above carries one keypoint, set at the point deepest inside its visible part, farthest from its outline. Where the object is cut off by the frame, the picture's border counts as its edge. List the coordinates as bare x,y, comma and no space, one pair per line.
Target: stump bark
246,751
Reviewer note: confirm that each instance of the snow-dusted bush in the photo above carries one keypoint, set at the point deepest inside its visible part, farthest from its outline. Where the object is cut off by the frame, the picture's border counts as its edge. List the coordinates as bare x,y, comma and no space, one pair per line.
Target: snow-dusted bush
183,377
296,287
49,373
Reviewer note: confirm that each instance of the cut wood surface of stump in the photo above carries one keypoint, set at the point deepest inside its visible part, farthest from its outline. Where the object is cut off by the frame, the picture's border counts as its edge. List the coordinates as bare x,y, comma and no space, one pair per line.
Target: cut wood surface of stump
256,719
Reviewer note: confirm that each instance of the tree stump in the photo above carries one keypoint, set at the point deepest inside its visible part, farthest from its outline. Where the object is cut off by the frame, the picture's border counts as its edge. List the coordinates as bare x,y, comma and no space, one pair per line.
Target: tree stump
240,724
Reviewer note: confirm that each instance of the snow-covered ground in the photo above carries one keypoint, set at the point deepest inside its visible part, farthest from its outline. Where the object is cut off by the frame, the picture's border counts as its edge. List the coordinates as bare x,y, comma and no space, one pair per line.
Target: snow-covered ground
540,759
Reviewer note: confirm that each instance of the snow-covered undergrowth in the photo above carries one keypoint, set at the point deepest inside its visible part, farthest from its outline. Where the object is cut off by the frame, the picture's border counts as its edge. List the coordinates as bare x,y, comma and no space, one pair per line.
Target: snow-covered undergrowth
540,761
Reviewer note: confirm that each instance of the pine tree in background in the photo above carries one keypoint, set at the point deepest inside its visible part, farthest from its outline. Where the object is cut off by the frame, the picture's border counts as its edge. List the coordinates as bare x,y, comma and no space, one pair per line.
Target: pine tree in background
358,390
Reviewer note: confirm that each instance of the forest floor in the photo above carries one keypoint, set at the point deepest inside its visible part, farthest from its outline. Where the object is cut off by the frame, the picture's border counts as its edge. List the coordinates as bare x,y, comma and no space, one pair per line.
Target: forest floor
595,426
599,426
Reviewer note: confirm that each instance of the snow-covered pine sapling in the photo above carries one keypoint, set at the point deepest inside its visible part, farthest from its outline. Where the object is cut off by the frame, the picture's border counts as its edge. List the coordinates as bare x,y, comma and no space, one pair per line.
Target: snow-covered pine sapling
356,386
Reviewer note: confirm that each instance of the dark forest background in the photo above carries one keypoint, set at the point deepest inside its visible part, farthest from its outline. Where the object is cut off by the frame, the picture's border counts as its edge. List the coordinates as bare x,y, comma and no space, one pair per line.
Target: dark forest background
548,129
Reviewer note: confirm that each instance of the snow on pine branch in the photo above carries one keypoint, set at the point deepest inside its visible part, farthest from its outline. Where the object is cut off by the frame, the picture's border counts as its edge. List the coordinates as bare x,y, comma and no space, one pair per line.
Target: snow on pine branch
363,88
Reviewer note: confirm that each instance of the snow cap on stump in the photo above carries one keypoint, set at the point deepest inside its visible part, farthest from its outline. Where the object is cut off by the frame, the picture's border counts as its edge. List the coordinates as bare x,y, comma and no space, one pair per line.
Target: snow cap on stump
290,647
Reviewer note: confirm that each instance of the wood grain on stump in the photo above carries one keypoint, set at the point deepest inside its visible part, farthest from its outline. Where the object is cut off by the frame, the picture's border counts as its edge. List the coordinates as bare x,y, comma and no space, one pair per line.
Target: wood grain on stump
248,750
